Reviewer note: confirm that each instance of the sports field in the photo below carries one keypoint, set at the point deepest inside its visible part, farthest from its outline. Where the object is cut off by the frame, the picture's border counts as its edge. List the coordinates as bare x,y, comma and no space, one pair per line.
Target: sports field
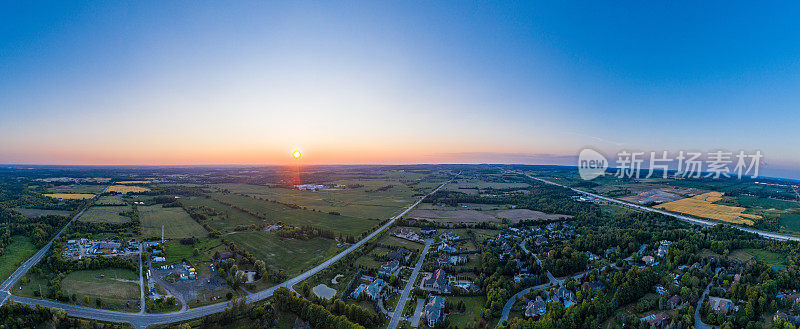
177,223
105,214
118,289
277,212
294,256
70,196
125,189
703,206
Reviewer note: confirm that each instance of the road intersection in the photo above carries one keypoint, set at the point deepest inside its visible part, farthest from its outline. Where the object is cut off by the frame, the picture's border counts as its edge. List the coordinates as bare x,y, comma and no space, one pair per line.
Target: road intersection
143,320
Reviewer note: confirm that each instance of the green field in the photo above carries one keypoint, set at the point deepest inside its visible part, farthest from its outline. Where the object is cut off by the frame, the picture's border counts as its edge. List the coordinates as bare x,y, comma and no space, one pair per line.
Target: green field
118,289
353,202
175,253
791,221
276,212
295,256
31,213
770,258
473,304
110,200
176,222
105,214
228,217
20,249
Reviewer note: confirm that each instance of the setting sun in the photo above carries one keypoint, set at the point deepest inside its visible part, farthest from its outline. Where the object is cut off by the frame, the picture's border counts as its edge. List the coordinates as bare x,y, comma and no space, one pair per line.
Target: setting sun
296,154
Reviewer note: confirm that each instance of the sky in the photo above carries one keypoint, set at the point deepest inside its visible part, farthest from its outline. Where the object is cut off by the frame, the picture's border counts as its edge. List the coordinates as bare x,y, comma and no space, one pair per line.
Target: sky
395,82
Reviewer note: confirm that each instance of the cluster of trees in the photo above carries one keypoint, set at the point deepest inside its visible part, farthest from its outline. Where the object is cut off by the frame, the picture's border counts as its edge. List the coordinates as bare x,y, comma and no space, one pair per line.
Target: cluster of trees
20,316
305,233
316,315
161,304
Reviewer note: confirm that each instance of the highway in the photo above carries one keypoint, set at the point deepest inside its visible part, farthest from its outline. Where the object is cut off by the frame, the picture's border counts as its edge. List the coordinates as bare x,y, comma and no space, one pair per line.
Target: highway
691,220
142,320
28,264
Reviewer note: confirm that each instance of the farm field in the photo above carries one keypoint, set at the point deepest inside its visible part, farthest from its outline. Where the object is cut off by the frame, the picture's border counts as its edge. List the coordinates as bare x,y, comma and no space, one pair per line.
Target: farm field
703,206
293,255
19,250
275,212
177,223
227,217
118,288
363,202
129,182
70,196
105,214
110,200
77,188
471,216
475,186
125,189
31,213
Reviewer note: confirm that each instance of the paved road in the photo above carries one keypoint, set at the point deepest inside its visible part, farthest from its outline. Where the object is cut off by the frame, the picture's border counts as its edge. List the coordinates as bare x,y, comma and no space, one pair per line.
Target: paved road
20,272
698,322
146,319
141,279
691,220
401,303
417,312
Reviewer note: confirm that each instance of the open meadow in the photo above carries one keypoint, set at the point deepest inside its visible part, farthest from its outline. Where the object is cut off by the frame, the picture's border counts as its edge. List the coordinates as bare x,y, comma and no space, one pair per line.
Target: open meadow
105,214
176,222
292,255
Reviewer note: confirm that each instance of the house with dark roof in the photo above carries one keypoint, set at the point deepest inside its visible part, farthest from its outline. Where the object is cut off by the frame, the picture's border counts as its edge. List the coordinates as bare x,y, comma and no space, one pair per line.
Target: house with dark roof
674,302
390,268
436,282
400,255
659,320
434,311
536,307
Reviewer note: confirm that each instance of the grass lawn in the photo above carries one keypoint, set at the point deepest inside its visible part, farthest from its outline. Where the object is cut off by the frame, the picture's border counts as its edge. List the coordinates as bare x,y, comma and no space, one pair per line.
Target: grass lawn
280,213
20,249
177,223
295,256
115,288
474,305
771,258
105,214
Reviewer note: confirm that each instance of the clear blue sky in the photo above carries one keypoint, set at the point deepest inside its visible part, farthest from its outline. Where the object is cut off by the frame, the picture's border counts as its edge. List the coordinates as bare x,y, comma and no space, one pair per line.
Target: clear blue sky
367,82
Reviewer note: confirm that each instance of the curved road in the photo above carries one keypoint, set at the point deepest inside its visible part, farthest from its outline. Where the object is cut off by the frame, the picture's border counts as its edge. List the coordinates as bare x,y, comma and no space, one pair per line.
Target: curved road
140,320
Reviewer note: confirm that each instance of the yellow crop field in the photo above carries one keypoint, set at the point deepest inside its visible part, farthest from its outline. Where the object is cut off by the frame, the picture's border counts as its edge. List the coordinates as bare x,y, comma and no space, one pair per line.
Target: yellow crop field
703,206
77,196
124,189
132,182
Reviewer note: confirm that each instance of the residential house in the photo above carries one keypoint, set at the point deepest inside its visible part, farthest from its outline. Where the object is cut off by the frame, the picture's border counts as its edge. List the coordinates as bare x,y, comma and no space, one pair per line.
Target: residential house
444,247
390,268
400,255
722,305
436,282
648,260
674,302
375,288
434,311
536,307
659,320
